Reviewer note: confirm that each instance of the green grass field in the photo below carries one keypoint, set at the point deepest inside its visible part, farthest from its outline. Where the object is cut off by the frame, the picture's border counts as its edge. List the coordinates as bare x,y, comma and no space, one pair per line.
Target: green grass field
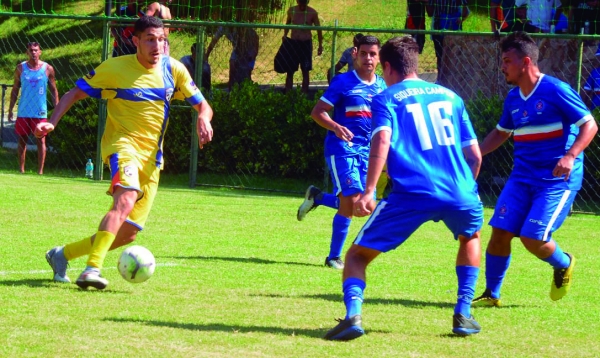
237,275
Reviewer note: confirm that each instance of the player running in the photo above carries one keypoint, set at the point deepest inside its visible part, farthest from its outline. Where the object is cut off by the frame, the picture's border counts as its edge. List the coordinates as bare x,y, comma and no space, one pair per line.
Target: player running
347,142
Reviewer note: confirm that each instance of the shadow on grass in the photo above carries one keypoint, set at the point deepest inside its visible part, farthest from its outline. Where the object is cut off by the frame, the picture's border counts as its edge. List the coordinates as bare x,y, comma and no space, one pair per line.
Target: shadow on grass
251,260
219,327
28,282
45,283
368,300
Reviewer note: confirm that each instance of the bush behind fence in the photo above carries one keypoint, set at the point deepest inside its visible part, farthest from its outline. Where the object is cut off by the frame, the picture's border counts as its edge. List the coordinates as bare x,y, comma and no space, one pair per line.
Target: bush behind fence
261,132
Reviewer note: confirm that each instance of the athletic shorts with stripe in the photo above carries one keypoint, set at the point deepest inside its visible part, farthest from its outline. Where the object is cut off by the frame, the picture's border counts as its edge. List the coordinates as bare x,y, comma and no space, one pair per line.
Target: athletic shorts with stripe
532,211
131,172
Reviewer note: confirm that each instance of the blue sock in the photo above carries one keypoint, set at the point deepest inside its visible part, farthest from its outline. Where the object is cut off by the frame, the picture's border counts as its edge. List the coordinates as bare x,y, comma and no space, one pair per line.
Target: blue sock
467,278
495,270
328,200
558,259
338,236
353,295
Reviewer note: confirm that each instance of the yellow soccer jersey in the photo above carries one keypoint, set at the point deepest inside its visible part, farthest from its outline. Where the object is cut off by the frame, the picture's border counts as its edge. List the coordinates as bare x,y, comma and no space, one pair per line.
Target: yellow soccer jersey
138,103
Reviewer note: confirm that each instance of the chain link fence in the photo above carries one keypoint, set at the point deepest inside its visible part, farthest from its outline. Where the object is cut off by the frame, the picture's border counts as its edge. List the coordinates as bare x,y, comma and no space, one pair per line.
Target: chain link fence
265,138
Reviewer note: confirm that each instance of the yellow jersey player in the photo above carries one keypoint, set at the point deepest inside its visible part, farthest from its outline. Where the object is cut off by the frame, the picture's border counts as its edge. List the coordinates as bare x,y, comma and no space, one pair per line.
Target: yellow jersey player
138,89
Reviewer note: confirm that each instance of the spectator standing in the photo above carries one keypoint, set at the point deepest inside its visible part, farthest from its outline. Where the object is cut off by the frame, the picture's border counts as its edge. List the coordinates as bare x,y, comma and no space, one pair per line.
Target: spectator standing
33,78
447,15
415,20
189,61
301,42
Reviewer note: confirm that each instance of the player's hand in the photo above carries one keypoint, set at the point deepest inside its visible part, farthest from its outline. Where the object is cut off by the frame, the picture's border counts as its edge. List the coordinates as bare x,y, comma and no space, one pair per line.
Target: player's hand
364,205
344,133
10,116
320,50
205,133
42,129
564,166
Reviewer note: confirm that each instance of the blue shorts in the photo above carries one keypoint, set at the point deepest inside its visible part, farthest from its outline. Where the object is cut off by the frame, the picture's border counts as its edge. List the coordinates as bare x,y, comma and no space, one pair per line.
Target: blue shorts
348,173
531,211
392,223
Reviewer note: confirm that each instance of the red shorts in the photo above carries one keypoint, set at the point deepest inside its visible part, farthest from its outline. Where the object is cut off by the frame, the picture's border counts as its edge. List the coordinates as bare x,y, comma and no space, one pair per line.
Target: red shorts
26,126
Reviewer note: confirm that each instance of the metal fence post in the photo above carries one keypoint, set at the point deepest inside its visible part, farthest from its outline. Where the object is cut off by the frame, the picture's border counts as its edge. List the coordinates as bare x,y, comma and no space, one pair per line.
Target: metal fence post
199,63
333,46
99,167
579,62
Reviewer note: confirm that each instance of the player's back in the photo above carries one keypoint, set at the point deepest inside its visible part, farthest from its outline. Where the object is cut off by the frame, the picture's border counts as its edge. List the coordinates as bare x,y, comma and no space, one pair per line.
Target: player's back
429,126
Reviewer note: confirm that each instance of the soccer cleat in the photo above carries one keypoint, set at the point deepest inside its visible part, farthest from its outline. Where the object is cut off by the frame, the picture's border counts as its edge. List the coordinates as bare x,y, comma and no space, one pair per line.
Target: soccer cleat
486,299
464,326
562,280
90,277
347,329
335,263
309,202
56,259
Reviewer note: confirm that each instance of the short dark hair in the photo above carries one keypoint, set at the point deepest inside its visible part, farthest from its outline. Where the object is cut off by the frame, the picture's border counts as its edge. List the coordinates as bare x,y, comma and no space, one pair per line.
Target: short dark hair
402,53
33,44
356,38
523,45
368,40
303,2
146,22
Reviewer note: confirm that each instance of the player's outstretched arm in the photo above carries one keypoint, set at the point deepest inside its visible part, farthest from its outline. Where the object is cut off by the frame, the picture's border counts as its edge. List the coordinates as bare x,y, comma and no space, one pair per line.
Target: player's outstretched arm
587,132
74,95
380,146
493,140
473,158
203,127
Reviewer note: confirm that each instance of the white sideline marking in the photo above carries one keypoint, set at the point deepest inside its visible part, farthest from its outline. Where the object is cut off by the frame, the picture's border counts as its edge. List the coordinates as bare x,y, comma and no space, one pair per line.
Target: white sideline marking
36,272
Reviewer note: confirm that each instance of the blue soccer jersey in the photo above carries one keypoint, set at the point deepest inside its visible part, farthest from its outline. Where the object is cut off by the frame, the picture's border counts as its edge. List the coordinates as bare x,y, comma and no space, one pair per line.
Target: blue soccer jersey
351,98
593,84
544,126
429,126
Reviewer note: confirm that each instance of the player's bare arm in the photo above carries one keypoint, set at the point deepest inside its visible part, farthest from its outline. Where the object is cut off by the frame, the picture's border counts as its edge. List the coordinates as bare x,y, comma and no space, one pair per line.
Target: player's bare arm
587,132
14,93
320,115
493,140
203,127
52,84
65,103
380,146
473,158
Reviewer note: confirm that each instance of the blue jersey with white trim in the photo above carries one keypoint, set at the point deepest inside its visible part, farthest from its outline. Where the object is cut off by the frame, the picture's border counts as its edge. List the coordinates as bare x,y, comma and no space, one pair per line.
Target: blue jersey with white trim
139,100
33,92
429,126
351,98
544,126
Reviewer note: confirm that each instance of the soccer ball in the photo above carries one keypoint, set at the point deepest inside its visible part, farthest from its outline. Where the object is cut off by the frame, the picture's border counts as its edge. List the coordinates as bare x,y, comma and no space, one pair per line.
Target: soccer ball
136,264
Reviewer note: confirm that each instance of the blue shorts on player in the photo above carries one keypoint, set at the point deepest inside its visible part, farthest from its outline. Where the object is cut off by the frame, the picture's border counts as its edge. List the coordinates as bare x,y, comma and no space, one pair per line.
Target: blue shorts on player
393,222
348,172
532,211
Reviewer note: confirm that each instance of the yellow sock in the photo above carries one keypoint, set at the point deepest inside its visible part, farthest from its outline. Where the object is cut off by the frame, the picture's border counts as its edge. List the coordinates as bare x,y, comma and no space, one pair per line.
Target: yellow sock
78,248
99,249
